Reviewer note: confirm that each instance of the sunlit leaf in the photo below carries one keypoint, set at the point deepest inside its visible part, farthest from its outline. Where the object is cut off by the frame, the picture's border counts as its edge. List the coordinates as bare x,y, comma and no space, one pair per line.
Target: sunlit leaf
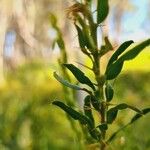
80,76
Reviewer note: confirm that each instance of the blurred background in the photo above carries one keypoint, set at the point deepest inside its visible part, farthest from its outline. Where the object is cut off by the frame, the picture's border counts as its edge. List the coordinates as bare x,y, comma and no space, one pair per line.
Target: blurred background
28,121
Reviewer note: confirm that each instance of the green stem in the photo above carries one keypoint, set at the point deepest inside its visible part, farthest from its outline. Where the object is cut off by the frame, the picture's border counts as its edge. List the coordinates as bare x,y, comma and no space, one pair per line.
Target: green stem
100,83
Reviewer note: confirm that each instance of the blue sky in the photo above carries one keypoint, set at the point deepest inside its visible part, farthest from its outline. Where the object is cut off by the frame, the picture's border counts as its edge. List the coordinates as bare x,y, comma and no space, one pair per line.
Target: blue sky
135,20
136,24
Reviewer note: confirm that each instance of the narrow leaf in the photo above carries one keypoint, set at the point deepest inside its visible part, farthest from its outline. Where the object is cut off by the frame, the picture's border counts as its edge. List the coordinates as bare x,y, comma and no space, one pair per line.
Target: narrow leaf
65,82
109,92
135,51
73,113
114,70
137,116
84,36
95,134
60,43
102,127
80,75
119,51
102,10
124,106
112,113
81,37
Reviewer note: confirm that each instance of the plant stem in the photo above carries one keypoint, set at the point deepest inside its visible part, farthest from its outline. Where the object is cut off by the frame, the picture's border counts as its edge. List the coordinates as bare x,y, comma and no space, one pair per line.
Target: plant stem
100,83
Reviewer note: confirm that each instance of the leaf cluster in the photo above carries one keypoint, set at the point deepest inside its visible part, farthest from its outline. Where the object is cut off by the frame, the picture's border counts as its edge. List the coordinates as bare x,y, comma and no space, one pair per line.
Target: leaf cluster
99,95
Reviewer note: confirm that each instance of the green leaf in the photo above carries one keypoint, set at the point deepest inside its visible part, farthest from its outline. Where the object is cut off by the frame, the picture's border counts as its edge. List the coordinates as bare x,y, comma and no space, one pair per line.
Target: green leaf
102,10
87,108
114,70
102,127
53,20
146,110
95,102
109,92
73,113
135,51
119,51
81,37
108,45
105,48
65,82
135,109
112,113
95,134
84,37
60,43
80,75
80,117
137,116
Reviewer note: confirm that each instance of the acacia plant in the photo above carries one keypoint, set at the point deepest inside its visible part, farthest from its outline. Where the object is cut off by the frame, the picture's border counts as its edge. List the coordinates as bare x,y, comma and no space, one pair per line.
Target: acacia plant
100,93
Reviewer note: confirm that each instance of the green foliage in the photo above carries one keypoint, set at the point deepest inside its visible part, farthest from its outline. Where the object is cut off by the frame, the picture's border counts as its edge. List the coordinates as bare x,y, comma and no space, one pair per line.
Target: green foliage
114,69
109,92
88,108
112,113
102,10
81,37
26,113
95,103
101,92
118,52
74,114
137,116
66,83
79,75
103,127
131,54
